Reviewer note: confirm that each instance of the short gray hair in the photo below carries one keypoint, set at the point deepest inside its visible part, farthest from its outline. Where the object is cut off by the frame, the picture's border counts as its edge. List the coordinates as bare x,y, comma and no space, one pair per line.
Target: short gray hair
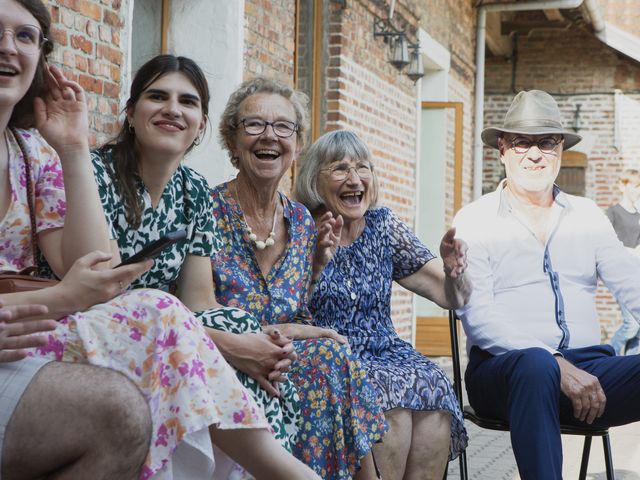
229,120
329,148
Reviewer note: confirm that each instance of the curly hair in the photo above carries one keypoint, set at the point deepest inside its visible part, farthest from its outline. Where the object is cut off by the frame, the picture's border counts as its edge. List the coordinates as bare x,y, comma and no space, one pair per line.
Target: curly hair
229,119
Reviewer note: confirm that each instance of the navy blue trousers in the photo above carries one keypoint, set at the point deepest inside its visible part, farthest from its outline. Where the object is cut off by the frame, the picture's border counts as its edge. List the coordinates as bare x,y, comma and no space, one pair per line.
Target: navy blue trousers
523,387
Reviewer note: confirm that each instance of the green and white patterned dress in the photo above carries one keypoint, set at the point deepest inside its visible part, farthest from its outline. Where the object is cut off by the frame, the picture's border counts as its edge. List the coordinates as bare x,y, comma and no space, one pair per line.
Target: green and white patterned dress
187,204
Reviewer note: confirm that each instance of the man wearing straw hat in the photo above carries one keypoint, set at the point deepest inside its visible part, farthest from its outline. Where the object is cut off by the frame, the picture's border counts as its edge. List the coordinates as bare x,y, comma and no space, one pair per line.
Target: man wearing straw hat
535,256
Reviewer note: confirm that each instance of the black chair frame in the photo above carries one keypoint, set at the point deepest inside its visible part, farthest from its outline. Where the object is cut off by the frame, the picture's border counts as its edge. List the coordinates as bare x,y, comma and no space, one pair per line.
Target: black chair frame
496,424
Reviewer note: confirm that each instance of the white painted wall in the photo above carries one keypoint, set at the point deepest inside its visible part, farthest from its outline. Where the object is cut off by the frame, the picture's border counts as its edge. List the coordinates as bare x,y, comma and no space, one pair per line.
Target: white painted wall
211,32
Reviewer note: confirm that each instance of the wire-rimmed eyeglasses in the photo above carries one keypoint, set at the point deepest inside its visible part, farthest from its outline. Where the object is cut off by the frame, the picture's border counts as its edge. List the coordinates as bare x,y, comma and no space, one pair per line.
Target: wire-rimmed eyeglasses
341,171
257,126
28,39
523,144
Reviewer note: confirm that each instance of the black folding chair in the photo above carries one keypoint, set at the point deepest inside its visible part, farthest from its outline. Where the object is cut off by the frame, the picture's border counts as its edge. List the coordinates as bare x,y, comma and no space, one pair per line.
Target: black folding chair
500,425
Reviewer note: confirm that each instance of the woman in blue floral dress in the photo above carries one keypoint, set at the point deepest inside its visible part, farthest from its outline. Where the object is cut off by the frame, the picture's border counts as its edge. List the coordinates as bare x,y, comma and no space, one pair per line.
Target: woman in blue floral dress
264,266
147,191
366,250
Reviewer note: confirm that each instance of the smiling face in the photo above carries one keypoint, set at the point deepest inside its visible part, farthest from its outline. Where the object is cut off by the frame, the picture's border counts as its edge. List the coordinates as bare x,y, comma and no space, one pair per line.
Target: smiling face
345,186
16,69
533,171
168,116
266,156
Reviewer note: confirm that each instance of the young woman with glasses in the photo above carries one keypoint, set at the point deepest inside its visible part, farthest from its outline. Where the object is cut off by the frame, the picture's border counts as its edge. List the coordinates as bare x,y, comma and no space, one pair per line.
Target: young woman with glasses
264,267
366,250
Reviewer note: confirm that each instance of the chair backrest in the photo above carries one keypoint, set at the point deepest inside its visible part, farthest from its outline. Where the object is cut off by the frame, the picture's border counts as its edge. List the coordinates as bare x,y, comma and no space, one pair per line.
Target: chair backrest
455,356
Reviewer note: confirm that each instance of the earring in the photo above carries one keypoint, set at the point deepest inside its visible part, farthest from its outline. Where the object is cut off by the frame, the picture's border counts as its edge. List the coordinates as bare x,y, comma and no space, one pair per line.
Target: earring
132,130
198,140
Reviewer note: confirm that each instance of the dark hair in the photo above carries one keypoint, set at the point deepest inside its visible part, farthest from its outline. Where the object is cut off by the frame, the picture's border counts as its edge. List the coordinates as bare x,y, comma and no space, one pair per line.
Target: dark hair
22,115
123,147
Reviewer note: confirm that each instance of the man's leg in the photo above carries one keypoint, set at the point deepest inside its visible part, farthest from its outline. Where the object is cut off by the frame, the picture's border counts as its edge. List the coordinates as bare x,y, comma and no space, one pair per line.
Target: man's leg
77,422
619,378
522,387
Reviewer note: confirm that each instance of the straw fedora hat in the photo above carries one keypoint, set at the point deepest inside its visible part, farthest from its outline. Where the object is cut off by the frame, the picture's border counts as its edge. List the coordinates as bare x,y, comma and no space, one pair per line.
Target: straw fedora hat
531,113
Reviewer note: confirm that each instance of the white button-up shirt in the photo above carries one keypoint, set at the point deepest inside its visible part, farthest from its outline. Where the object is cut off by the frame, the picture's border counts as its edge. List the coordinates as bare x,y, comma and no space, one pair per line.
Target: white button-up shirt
526,294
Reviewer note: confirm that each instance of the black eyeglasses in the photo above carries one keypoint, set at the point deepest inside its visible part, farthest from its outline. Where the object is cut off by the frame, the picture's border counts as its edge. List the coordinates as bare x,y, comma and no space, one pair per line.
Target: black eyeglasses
257,126
546,145
28,39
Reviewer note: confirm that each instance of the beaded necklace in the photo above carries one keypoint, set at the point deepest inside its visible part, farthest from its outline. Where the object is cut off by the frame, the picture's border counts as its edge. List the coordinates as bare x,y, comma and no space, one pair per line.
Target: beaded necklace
259,244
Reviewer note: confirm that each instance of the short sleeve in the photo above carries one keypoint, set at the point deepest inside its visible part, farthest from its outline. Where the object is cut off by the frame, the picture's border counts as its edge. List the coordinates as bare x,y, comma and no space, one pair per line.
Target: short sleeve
205,240
46,172
409,254
105,185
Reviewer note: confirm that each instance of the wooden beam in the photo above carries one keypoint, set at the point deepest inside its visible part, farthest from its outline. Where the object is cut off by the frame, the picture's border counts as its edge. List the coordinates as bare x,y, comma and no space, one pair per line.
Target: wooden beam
164,34
554,14
499,44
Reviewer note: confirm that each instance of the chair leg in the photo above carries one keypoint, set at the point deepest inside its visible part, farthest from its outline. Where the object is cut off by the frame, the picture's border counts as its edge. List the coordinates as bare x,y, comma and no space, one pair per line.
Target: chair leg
463,465
608,461
585,457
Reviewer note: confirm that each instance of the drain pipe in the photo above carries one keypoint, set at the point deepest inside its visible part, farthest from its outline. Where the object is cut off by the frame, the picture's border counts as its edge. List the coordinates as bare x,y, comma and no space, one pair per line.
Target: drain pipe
481,32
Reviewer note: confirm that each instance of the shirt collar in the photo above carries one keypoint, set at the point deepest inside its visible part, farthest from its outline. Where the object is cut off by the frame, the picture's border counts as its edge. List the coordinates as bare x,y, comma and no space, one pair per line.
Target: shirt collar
560,198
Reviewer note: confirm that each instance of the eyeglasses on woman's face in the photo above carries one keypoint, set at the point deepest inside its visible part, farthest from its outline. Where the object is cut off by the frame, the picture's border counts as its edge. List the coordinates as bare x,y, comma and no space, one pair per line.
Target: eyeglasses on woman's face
257,126
28,39
340,171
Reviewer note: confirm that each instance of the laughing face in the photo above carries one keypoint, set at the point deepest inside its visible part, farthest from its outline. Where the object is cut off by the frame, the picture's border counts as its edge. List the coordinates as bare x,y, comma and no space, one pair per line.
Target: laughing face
266,156
533,171
345,186
168,116
16,69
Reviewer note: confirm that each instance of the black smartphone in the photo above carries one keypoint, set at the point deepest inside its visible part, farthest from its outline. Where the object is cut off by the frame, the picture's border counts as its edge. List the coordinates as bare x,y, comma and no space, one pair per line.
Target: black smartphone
154,248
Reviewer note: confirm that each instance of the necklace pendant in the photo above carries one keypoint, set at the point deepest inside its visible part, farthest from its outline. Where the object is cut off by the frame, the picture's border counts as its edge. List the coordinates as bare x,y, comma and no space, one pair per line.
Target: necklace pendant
260,245
269,241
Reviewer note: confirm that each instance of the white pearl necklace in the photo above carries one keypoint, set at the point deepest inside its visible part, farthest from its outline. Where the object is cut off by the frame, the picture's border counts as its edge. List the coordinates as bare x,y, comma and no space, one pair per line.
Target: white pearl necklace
267,242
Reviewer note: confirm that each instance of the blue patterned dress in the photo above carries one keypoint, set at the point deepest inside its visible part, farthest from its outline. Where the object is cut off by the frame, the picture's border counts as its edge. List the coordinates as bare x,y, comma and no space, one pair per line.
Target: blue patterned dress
341,417
353,296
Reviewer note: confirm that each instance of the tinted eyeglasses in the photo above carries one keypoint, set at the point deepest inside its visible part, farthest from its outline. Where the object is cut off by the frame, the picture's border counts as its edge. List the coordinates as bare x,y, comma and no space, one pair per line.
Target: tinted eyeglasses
257,126
28,39
546,144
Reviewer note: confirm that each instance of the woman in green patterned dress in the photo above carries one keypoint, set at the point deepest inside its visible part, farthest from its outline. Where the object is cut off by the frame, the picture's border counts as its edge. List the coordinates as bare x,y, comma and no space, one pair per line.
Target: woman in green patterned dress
147,191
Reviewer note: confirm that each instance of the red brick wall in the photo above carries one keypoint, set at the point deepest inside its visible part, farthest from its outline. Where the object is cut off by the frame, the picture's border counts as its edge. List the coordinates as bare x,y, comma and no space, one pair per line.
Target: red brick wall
579,70
269,39
88,44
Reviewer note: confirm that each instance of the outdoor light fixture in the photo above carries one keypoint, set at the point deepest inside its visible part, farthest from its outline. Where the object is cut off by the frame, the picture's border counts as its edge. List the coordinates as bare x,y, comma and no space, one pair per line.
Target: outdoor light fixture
577,125
416,68
399,47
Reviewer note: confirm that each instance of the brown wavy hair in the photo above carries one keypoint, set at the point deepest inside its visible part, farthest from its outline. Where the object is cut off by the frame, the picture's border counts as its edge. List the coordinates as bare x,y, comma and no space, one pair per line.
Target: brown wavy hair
22,115
123,147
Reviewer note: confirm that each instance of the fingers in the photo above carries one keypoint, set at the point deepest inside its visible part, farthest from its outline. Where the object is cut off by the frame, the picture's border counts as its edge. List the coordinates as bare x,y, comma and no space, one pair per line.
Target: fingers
14,313
12,355
268,387
93,258
449,236
69,90
330,333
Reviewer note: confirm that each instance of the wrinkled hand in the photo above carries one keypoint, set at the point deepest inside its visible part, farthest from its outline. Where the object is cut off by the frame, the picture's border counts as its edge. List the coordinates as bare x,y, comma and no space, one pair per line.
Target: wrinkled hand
61,117
299,331
86,286
453,252
329,232
16,328
584,391
264,357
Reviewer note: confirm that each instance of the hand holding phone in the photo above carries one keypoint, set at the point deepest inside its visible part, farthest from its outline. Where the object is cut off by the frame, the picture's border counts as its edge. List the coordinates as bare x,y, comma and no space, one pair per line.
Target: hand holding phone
154,248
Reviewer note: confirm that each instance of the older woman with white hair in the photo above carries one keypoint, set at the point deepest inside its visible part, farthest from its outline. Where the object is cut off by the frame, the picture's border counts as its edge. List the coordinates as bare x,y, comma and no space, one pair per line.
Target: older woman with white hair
367,248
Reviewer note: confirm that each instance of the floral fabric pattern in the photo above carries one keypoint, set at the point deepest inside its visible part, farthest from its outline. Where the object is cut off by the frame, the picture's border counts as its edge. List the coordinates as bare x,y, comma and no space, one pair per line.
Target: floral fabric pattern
353,296
49,200
154,340
185,205
341,417
147,335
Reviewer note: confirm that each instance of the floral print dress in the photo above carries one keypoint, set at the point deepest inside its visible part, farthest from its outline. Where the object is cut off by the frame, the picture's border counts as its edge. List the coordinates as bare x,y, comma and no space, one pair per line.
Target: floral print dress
353,296
186,204
147,335
341,418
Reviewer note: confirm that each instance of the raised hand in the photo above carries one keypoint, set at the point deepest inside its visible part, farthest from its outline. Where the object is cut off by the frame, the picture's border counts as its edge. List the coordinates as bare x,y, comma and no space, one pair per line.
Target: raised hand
61,117
329,232
453,252
16,328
